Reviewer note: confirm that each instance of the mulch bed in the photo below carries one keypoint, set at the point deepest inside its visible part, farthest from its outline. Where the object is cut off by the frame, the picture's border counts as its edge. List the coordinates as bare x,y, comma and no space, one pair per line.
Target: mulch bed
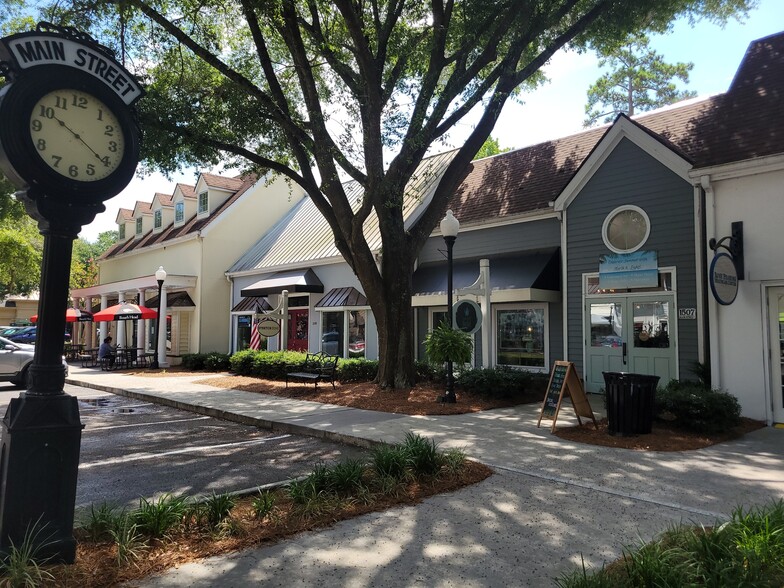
663,437
96,564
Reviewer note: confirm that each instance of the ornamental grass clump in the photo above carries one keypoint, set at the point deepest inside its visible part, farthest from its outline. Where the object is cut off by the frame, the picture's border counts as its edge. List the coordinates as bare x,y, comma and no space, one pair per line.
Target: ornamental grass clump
22,564
747,550
155,518
424,459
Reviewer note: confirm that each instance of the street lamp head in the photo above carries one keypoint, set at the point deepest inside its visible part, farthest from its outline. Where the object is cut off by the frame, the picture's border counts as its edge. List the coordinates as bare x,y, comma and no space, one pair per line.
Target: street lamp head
160,274
450,225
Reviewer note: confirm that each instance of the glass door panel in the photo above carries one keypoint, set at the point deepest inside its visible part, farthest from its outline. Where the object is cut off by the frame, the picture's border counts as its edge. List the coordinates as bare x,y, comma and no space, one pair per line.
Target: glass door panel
776,312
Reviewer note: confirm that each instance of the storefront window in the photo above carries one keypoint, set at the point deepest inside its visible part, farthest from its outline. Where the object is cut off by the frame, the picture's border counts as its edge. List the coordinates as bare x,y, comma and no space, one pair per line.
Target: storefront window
243,332
332,331
521,337
356,333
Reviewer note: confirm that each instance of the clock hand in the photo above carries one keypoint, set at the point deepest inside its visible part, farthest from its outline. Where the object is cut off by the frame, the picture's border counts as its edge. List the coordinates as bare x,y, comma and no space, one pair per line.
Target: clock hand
78,136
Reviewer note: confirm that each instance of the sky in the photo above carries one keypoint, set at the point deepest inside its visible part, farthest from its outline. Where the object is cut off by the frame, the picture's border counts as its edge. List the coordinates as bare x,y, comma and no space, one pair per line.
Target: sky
556,109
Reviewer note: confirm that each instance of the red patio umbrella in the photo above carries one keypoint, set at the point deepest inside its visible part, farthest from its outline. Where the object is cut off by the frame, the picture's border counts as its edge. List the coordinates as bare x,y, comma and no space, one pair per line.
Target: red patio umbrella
72,315
125,311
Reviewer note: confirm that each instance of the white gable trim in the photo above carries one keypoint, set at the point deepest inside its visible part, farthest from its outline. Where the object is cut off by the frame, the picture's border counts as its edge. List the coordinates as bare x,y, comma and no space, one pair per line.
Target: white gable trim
622,128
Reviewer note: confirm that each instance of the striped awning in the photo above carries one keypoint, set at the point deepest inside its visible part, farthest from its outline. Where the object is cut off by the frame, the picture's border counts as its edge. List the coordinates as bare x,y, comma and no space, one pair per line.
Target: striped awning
340,297
251,303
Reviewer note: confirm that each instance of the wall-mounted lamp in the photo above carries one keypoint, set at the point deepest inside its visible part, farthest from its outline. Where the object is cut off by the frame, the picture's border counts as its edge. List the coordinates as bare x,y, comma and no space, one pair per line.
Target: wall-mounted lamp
735,247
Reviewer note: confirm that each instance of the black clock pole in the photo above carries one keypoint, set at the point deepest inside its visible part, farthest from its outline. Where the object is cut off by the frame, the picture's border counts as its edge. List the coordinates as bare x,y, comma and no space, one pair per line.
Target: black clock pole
69,141
41,429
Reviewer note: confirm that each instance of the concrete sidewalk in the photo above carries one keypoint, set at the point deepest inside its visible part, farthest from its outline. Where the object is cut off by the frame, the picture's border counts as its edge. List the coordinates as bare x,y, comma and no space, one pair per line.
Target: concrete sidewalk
550,503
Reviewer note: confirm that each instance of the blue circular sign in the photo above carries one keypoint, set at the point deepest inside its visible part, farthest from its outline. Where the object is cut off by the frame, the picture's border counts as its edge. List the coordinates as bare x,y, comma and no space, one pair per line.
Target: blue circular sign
723,277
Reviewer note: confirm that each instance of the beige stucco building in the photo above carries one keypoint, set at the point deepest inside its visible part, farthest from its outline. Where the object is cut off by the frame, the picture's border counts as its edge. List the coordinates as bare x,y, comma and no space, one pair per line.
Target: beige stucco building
195,233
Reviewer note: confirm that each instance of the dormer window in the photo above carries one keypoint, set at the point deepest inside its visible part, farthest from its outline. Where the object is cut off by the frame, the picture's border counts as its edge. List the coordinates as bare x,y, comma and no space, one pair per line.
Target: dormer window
122,232
158,219
202,202
139,226
179,212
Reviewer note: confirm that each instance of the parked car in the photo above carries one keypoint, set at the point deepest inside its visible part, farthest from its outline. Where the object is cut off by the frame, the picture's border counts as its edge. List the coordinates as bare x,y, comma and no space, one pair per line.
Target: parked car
8,331
28,335
15,360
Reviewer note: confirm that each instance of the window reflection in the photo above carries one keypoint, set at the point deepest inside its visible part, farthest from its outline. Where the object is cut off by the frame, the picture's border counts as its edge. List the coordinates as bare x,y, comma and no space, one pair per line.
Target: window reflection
520,337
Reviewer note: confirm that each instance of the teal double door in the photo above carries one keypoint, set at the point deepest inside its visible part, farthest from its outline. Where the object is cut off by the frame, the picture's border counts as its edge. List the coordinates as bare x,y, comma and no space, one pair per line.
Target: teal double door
635,334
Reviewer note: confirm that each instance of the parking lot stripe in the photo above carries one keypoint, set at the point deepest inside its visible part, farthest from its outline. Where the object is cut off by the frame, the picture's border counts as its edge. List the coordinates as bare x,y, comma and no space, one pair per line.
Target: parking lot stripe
147,456
91,429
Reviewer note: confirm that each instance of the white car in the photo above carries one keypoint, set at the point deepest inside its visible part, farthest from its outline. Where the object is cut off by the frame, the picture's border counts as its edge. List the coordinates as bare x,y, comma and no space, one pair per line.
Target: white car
15,359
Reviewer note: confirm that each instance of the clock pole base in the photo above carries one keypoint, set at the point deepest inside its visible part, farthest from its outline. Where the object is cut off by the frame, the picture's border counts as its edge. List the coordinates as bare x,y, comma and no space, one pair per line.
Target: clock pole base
39,453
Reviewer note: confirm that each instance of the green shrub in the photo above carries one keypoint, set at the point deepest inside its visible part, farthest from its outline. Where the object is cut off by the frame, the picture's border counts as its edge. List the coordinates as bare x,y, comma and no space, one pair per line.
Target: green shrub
356,370
271,365
242,362
501,382
212,361
274,364
216,362
698,409
193,361
428,372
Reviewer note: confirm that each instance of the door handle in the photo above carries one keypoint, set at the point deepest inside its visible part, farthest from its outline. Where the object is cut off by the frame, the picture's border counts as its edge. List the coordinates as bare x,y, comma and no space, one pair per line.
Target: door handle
624,353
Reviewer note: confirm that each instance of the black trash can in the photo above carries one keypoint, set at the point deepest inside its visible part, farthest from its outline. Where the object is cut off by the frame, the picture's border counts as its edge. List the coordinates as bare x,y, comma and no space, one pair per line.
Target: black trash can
630,402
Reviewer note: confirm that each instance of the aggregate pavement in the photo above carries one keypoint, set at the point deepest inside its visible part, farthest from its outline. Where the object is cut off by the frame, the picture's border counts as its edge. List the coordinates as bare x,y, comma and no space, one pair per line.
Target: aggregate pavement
551,506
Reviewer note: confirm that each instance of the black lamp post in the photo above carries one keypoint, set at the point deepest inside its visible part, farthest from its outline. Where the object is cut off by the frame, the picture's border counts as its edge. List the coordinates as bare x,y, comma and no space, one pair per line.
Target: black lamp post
160,276
449,228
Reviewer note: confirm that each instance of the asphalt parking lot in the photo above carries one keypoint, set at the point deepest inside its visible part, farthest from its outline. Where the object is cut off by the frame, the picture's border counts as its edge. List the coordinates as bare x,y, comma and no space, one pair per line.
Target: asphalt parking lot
133,449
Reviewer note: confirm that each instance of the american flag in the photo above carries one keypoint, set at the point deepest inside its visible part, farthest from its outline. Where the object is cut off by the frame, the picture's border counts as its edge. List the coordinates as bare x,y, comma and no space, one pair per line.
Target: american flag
255,338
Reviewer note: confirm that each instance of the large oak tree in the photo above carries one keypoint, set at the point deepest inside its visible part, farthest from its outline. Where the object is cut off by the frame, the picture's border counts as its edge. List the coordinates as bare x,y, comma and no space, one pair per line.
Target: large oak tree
323,91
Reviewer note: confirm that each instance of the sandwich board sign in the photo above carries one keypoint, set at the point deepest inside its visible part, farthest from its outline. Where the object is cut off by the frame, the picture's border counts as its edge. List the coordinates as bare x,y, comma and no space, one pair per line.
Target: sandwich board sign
565,382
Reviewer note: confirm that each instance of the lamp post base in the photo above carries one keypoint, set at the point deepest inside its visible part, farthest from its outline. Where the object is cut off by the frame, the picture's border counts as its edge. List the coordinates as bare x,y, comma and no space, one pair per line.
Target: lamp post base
39,453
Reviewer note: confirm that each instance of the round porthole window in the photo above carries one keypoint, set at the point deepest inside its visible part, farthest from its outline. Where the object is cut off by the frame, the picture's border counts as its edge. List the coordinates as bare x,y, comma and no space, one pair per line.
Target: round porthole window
626,229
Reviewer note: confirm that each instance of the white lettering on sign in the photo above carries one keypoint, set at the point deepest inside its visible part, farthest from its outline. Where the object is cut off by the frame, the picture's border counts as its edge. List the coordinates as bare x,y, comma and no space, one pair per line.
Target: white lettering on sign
45,49
687,313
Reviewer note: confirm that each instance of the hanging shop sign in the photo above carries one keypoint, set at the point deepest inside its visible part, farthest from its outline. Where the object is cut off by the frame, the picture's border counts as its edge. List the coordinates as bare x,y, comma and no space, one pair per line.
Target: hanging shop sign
467,316
268,328
619,271
723,277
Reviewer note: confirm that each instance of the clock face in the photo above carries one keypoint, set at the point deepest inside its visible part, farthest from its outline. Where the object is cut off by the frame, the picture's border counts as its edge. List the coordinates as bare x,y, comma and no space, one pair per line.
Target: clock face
77,135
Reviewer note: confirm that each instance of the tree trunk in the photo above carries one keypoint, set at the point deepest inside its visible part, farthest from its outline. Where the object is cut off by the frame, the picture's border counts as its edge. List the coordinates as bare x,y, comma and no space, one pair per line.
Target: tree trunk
394,321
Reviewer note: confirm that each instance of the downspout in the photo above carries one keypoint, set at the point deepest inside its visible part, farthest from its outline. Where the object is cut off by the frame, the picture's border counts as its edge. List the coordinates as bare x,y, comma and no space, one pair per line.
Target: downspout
711,325
230,280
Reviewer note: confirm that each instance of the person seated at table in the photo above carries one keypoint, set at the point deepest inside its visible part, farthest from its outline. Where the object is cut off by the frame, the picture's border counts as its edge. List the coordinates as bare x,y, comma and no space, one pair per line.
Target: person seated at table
106,352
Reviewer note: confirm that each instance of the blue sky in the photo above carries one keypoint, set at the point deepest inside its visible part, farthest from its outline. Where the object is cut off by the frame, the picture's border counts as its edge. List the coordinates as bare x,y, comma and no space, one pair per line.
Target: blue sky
557,108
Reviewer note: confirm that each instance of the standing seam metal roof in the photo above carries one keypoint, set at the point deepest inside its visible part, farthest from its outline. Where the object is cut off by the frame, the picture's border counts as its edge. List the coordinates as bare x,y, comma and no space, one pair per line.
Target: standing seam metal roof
304,236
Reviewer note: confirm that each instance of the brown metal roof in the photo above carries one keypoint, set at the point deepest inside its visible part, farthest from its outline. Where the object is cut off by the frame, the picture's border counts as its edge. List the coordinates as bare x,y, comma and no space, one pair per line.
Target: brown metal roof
342,297
741,124
252,303
173,300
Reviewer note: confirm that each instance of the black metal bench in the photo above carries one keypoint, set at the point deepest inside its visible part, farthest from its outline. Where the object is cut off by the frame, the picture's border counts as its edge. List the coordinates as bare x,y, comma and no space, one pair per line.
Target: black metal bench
318,367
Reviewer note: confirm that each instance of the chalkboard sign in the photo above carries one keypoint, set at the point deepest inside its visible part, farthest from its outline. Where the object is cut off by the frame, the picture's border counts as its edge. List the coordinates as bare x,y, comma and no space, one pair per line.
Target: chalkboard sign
564,381
552,399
